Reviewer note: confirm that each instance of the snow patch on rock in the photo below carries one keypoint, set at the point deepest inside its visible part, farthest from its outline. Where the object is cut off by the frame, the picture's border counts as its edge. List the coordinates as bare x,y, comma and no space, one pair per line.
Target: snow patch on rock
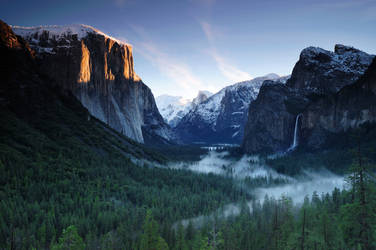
58,32
174,108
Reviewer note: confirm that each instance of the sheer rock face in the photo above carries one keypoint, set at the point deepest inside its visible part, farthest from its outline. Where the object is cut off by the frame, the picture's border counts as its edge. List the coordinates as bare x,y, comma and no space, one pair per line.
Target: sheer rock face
322,89
351,107
99,71
270,126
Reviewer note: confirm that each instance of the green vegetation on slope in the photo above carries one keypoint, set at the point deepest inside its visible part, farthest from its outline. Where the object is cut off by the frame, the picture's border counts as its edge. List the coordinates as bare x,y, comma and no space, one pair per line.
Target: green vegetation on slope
336,155
340,220
61,167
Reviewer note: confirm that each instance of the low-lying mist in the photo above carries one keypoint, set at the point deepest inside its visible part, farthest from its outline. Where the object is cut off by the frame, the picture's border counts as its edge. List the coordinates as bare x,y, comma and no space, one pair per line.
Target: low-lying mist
321,182
252,167
219,163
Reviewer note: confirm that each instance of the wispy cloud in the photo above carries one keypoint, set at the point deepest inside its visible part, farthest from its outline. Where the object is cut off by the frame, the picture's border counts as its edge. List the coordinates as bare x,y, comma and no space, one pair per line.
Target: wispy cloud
227,68
176,70
209,33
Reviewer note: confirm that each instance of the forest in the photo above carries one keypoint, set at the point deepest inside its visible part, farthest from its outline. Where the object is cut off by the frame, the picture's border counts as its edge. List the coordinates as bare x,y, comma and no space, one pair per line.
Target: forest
64,186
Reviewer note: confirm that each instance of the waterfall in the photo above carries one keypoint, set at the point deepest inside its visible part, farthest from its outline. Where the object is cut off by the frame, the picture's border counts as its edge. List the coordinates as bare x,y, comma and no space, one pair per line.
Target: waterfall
295,141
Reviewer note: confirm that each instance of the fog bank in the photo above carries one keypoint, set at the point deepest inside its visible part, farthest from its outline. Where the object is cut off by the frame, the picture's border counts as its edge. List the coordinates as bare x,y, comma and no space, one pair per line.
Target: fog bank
321,182
217,163
297,188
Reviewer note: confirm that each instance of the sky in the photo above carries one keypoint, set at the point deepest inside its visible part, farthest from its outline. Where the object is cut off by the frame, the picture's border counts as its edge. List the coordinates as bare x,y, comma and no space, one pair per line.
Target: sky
182,46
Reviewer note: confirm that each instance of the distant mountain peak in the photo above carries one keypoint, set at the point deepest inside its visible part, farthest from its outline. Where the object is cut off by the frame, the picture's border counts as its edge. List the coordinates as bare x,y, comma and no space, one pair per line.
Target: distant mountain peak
202,96
221,118
272,76
174,108
204,92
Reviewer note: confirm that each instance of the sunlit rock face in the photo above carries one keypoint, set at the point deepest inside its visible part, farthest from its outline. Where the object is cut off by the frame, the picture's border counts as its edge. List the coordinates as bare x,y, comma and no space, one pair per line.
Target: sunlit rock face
324,89
99,71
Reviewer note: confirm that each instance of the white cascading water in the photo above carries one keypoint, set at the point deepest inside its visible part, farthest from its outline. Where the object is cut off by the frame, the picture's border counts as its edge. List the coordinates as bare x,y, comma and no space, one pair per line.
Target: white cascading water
295,141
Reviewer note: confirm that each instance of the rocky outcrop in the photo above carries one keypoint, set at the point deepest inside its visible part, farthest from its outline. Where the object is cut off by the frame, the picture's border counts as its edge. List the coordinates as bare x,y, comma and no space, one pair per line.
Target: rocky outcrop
201,97
351,107
321,71
315,91
221,118
99,71
270,125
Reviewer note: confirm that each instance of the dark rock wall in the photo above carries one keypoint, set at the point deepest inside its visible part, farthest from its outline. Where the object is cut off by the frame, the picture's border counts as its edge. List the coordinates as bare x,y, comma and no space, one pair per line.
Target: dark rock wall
322,89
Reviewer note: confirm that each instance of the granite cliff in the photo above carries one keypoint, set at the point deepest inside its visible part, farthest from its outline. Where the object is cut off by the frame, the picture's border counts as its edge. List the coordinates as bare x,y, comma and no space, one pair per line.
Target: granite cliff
98,70
321,91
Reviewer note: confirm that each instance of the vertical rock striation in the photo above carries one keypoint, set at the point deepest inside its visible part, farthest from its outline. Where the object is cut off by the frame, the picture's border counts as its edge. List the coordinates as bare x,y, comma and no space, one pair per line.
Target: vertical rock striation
99,71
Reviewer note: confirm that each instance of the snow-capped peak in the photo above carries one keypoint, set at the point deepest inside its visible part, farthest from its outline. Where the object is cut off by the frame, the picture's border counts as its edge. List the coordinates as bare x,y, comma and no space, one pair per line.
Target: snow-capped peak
221,118
60,31
247,91
174,108
272,76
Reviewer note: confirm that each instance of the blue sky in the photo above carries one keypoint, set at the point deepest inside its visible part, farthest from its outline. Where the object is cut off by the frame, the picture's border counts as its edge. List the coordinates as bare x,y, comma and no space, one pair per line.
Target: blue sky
183,46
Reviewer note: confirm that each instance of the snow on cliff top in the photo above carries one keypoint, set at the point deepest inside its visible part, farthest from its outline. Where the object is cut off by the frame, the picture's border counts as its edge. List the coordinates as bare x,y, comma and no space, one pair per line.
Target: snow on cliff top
59,31
344,58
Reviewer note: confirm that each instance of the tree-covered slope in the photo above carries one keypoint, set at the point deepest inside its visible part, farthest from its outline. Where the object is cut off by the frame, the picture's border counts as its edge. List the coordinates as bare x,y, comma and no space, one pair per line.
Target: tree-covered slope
60,167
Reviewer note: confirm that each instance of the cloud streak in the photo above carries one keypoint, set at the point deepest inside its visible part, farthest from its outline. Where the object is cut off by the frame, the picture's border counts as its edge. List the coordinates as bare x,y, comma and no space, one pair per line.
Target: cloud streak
173,69
227,68
176,70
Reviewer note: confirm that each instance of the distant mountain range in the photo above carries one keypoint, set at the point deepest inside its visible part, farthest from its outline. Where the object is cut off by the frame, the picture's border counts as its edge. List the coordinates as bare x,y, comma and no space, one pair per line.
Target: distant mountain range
174,108
221,118
328,92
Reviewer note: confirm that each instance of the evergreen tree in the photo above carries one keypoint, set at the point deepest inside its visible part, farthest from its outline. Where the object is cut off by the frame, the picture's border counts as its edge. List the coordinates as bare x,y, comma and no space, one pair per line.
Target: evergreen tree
180,239
359,216
150,239
69,240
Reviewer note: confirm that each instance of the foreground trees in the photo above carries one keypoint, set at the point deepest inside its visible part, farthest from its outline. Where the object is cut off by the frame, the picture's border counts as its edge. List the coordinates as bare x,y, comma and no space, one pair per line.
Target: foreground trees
64,192
69,240
359,216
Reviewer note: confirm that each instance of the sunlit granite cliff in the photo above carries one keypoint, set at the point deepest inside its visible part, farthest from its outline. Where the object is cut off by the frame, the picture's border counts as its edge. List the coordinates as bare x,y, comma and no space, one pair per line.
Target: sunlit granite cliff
99,71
